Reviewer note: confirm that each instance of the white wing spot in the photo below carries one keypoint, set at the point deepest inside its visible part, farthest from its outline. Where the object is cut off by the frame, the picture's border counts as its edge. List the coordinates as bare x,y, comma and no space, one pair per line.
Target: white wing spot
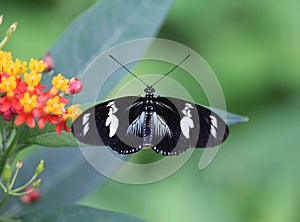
213,131
188,106
214,121
85,118
86,129
186,123
112,121
113,126
110,103
85,123
213,126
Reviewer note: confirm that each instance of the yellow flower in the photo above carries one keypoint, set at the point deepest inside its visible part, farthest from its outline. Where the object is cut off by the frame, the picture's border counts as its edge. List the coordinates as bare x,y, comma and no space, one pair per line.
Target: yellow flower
54,106
13,68
37,65
28,102
72,112
32,79
8,85
60,82
20,67
5,56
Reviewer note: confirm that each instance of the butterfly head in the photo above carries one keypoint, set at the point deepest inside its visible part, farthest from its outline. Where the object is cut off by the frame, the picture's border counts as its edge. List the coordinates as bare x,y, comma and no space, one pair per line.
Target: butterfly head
149,90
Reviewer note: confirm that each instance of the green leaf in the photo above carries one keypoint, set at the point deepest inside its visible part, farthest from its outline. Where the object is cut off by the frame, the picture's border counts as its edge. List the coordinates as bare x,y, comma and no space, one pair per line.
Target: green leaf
106,24
230,118
75,213
50,139
68,176
4,219
47,137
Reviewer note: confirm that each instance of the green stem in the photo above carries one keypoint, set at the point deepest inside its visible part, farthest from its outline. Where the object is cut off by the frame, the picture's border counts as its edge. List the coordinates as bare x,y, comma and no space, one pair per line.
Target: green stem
14,178
1,131
11,148
22,193
4,199
2,163
3,137
3,187
26,184
4,42
9,33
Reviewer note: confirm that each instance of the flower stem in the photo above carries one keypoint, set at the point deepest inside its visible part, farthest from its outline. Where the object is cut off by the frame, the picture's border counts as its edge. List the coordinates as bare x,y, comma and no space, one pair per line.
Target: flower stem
22,193
3,135
3,160
3,188
14,178
4,199
25,185
9,33
11,148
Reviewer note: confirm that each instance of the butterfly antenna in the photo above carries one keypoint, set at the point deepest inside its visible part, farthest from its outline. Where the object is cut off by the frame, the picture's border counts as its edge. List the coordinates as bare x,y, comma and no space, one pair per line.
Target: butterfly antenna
129,70
185,58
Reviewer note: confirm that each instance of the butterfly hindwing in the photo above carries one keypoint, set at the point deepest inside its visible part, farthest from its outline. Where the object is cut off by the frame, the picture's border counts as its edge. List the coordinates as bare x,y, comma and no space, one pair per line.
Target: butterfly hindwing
191,125
167,111
107,124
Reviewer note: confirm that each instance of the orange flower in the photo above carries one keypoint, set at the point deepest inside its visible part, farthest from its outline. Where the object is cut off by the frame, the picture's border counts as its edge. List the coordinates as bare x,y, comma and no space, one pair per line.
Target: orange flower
29,103
71,113
22,95
8,85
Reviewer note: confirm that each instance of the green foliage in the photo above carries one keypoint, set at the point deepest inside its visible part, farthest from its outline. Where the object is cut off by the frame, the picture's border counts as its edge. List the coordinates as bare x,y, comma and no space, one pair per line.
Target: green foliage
47,137
68,176
253,47
74,213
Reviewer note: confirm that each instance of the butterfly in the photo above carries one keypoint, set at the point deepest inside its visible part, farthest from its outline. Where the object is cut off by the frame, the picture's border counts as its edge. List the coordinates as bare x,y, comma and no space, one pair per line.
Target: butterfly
167,125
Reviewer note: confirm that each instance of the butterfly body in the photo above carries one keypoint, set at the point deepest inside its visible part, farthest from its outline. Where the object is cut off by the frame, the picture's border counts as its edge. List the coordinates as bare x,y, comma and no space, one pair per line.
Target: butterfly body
168,125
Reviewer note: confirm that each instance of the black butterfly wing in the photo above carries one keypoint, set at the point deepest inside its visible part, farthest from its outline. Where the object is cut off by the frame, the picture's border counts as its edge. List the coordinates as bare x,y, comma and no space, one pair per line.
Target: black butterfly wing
169,116
107,124
191,125
177,125
213,129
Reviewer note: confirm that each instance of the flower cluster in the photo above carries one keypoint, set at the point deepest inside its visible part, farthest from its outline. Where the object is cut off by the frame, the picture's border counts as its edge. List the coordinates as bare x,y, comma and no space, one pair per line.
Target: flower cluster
23,99
29,192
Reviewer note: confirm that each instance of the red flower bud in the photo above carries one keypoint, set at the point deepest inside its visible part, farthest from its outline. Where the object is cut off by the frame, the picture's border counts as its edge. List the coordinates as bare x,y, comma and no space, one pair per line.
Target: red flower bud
7,115
48,60
74,86
31,197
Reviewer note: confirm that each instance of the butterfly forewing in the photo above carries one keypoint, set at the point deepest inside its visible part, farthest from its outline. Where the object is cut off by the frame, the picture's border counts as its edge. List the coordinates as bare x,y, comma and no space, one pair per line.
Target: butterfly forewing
107,124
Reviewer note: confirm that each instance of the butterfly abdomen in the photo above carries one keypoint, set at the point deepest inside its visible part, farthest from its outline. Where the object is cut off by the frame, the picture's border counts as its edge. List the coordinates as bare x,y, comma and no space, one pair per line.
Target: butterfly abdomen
148,127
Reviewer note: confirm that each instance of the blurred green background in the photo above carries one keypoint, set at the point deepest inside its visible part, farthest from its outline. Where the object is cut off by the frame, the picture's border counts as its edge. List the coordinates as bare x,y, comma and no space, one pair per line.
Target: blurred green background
253,47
